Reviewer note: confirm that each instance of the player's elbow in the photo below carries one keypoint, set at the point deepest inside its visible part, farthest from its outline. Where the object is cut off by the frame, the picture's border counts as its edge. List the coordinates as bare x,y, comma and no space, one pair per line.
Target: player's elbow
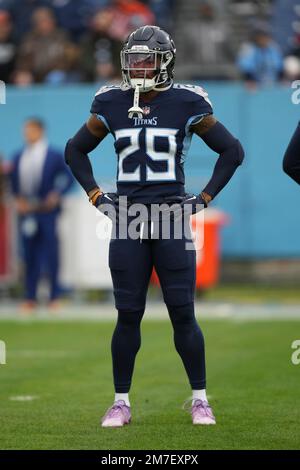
235,153
70,151
287,165
220,140
240,154
79,146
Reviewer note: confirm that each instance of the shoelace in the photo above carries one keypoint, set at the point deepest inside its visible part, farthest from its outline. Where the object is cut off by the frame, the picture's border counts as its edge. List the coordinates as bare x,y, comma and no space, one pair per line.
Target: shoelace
114,409
188,405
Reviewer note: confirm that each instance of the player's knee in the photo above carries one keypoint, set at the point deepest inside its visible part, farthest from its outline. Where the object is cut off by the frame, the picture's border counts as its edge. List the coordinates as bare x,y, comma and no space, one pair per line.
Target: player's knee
178,296
127,299
181,315
129,304
130,317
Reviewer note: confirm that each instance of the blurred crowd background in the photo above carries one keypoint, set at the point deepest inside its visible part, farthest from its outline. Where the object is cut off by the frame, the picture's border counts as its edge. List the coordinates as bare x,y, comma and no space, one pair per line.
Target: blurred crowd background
70,41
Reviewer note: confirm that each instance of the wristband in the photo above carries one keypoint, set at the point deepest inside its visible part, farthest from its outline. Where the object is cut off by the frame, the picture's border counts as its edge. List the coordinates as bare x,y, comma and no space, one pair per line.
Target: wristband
95,196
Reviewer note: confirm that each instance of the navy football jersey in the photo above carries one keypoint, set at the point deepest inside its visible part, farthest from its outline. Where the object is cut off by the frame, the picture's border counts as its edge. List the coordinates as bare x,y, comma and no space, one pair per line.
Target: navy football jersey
151,150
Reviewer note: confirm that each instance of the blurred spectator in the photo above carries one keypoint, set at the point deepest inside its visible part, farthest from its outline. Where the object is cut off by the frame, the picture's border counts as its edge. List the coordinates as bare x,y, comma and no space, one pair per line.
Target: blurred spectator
100,57
109,27
35,47
73,15
22,78
46,52
7,47
128,15
285,22
205,44
292,68
5,4
260,61
163,11
21,12
40,178
292,61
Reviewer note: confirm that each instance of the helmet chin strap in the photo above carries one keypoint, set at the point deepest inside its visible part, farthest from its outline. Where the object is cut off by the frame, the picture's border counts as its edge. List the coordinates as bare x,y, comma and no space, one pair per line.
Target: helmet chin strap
163,88
136,110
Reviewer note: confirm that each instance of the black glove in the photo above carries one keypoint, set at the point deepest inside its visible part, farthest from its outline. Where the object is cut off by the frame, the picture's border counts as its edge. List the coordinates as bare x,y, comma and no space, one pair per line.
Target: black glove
103,203
197,203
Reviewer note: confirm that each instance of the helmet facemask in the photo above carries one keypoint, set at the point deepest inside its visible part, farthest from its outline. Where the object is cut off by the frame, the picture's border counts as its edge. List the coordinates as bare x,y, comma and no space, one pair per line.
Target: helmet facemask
146,68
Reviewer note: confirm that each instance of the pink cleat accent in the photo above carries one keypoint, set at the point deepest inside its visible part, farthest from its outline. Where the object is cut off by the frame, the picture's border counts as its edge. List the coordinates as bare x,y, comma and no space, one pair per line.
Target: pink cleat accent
117,415
201,412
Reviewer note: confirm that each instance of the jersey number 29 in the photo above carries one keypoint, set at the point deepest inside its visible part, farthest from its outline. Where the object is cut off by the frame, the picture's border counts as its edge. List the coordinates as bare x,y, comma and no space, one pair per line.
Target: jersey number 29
150,135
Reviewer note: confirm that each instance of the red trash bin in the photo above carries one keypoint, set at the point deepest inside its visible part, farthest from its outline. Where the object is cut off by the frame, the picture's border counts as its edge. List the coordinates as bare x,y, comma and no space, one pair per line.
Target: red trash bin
7,242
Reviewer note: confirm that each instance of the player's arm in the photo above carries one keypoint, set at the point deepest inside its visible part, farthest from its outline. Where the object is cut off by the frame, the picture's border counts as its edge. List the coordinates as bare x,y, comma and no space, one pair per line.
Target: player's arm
231,153
77,149
291,160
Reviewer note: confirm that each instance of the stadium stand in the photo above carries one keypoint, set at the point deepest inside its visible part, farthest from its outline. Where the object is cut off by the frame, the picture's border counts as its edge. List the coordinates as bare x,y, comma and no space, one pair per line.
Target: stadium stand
217,29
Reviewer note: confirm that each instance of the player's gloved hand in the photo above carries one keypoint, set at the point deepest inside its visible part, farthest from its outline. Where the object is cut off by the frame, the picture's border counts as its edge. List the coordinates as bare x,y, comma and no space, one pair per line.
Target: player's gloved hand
107,203
197,203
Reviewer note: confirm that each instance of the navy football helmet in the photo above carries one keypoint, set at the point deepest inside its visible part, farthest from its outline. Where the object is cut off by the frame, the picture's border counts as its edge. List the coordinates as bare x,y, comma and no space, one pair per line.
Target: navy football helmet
148,59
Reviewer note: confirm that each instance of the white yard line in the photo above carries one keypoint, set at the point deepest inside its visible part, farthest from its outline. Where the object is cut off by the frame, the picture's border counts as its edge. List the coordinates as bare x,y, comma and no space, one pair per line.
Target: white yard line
24,398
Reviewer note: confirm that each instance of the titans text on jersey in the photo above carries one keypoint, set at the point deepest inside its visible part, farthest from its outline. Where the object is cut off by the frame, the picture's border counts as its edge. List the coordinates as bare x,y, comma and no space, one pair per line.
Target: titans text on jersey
143,122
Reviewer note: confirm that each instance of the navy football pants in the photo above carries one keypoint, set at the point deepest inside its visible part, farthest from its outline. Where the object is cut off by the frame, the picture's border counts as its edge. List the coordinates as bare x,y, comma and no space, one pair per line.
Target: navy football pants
131,263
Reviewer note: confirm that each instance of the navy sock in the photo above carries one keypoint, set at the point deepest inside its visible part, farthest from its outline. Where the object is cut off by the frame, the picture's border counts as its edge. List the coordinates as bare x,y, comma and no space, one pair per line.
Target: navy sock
126,342
189,343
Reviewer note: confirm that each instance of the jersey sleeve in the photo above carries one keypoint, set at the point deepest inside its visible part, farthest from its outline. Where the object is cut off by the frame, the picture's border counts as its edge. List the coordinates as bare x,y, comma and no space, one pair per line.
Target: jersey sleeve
100,105
201,105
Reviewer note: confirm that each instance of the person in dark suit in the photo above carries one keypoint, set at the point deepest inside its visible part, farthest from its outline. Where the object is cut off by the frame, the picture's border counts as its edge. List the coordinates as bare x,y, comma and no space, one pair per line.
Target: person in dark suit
40,178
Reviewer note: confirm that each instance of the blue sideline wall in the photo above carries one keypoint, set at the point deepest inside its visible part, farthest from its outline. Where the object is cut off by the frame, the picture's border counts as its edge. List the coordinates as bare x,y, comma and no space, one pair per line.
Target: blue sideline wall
262,203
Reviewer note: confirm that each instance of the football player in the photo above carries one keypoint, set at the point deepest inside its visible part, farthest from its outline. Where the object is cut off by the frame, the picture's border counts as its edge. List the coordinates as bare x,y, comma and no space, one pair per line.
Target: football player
291,160
152,120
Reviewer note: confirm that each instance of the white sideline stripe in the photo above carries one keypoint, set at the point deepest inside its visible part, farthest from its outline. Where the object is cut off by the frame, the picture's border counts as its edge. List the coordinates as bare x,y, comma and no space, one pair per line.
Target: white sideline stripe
157,311
24,398
26,353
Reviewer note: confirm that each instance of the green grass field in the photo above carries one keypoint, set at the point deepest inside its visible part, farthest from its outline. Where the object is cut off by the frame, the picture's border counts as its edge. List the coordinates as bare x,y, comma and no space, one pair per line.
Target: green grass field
66,366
